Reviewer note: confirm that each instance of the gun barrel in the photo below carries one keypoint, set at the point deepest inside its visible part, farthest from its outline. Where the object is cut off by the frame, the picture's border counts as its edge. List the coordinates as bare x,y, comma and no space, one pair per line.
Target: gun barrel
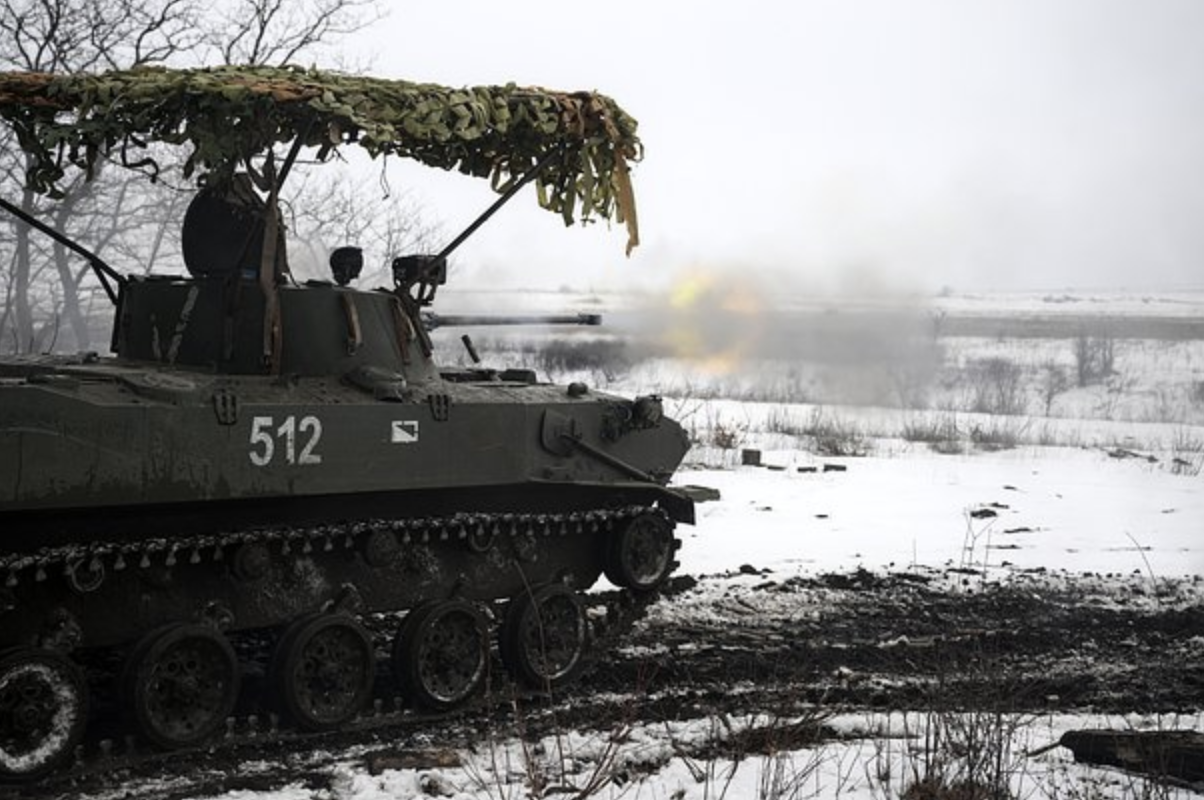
462,320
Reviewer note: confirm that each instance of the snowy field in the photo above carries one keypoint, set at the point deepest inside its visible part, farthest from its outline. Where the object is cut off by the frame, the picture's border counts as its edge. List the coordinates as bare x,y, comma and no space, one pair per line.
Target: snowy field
1057,508
1098,484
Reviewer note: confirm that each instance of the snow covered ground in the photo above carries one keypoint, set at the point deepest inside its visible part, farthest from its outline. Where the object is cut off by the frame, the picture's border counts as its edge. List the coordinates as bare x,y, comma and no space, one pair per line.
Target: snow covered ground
1058,508
879,756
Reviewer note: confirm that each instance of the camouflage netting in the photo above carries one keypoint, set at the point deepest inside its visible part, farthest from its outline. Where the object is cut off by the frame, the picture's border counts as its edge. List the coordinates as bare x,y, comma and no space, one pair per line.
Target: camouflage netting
231,115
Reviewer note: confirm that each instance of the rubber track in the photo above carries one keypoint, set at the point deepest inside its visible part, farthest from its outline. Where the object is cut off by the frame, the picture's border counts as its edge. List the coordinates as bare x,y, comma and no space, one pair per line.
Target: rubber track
194,550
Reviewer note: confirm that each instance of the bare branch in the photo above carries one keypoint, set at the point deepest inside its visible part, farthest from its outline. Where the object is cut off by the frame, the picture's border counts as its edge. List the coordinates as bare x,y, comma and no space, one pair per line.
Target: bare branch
273,32
165,31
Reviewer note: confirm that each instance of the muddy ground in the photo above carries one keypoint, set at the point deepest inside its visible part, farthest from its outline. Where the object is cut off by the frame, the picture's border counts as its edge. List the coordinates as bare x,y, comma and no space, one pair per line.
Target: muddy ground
755,642
898,640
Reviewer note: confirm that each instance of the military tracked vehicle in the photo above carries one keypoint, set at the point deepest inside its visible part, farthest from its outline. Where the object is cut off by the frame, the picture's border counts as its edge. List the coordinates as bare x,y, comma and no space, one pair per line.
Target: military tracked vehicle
263,455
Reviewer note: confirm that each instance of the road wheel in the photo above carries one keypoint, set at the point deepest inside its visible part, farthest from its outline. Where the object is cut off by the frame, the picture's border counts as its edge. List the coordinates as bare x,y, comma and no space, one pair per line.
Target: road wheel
639,554
180,684
441,653
323,669
43,712
544,637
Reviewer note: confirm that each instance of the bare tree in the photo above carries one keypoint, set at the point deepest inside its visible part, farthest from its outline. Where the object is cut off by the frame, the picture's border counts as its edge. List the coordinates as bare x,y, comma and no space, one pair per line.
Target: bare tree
1054,381
74,36
996,385
1094,356
115,216
82,35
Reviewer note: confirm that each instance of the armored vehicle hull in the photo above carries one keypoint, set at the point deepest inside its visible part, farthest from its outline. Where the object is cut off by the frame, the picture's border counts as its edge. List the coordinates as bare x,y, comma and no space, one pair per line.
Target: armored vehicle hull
158,502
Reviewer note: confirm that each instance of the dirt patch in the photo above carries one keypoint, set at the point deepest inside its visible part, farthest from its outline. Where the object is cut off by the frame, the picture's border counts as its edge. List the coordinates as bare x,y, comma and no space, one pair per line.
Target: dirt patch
1030,642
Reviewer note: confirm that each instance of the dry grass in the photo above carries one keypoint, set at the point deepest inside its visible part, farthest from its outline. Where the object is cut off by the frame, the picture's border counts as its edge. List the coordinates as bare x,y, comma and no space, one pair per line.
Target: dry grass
940,433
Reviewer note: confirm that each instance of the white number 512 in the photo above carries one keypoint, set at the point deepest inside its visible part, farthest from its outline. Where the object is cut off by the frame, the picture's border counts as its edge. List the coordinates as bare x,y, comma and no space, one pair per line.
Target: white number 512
263,444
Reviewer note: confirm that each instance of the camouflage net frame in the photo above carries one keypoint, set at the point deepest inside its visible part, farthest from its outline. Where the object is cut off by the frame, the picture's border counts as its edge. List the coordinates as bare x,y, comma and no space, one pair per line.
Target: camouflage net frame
231,115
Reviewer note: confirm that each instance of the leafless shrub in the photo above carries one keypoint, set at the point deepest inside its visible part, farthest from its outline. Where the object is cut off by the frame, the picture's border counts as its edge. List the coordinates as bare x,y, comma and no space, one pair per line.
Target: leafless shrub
941,433
785,751
913,372
1117,388
975,753
1165,408
1049,435
1094,357
996,435
1187,452
968,755
549,766
965,747
780,420
835,437
1197,393
1054,381
996,386
727,437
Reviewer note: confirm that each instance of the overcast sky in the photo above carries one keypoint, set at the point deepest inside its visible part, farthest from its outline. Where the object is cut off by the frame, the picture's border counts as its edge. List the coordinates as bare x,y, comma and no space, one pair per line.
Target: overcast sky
848,144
